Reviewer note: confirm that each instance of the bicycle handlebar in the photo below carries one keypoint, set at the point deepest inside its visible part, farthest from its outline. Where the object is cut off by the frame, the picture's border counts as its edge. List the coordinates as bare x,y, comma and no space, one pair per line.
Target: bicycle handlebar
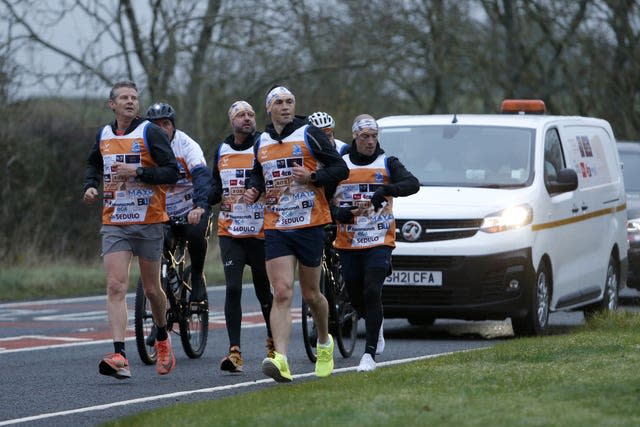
179,220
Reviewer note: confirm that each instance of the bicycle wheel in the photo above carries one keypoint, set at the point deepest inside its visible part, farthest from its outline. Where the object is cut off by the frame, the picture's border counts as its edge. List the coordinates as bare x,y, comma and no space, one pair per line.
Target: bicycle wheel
309,332
193,321
347,328
144,327
343,319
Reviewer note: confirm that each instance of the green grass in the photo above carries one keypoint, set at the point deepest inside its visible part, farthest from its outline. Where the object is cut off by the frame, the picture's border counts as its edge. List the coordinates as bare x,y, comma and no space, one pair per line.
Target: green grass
587,377
67,278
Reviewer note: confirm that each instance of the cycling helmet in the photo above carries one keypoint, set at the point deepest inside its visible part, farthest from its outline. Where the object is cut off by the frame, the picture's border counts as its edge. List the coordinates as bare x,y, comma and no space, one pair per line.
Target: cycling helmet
161,110
322,120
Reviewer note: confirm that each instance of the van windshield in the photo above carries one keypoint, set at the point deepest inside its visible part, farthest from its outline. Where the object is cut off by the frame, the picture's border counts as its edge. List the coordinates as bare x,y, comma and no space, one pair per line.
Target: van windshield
630,170
463,156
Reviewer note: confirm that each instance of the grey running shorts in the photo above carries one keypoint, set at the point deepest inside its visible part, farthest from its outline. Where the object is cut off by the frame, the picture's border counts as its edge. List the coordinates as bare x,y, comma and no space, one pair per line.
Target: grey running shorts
143,240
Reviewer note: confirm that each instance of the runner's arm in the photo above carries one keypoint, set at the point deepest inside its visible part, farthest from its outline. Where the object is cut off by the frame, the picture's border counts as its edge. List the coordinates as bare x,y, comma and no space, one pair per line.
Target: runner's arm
94,169
166,171
334,168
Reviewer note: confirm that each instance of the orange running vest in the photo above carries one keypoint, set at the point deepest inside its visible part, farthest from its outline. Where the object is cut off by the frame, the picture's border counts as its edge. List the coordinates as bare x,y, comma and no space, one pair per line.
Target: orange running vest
369,228
127,201
236,218
290,205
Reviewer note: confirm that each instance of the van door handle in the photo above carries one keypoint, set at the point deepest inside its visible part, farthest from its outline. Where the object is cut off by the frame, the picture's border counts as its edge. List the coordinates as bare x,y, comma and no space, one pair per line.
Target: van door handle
585,207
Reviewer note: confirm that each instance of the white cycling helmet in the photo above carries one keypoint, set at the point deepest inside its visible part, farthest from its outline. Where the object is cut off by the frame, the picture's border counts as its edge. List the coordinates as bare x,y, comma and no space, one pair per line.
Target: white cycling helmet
322,120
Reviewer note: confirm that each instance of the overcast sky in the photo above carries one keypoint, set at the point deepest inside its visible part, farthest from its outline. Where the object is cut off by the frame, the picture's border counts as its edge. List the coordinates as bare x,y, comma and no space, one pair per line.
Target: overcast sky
70,34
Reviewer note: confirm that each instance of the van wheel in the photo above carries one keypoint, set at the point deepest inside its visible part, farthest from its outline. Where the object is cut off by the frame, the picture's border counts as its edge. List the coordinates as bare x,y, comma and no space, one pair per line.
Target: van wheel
609,300
536,322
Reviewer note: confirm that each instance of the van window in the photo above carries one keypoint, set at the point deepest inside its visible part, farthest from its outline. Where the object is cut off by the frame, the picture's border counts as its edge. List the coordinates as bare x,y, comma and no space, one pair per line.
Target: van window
463,156
590,150
553,155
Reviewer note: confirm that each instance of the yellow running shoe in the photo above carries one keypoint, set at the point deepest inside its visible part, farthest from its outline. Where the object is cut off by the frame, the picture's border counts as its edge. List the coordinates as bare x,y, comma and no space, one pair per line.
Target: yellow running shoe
277,368
324,361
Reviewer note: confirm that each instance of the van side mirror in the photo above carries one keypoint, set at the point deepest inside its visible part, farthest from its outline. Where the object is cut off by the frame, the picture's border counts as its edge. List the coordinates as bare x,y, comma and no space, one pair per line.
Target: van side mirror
567,180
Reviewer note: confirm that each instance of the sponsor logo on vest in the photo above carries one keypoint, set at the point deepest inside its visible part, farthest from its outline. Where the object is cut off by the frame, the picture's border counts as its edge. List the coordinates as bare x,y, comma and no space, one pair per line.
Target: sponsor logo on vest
125,216
367,239
243,228
292,220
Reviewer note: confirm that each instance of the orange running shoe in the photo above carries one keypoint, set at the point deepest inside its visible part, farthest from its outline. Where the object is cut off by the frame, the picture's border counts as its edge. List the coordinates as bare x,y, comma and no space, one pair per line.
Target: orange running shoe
166,360
115,365
271,348
233,362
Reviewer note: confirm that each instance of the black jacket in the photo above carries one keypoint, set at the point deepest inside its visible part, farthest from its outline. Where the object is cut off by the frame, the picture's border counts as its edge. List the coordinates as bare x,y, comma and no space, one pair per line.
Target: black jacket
166,171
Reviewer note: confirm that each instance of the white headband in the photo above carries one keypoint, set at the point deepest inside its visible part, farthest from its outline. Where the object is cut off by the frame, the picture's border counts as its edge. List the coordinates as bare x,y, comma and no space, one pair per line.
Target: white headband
239,107
364,123
275,94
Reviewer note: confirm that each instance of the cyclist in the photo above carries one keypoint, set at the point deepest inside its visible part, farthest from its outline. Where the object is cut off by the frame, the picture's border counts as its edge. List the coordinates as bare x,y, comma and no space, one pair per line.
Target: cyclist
188,195
132,158
325,122
365,236
240,228
287,168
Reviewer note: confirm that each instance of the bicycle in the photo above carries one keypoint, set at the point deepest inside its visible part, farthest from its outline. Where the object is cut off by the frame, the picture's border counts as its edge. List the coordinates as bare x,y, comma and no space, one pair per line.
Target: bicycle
343,319
175,277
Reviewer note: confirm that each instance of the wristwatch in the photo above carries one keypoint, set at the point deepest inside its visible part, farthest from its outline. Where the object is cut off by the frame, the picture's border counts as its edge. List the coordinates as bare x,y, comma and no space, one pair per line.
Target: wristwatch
139,172
312,177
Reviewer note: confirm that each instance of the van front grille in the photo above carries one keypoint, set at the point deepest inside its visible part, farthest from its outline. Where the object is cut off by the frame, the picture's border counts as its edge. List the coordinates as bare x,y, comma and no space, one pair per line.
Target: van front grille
433,230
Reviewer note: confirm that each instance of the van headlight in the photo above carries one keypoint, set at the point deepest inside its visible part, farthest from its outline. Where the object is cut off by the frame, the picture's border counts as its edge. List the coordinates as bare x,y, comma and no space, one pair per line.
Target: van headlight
507,219
633,230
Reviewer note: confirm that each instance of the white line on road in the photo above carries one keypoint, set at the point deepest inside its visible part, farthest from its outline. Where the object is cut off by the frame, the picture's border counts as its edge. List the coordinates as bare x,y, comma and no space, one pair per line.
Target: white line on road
199,391
43,337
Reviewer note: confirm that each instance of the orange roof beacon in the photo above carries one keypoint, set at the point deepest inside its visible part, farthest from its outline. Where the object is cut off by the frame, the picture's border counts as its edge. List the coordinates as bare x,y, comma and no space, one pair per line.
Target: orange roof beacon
523,106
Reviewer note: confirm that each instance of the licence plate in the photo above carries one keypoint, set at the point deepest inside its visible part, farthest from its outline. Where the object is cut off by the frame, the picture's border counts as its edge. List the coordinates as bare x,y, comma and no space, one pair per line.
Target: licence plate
418,278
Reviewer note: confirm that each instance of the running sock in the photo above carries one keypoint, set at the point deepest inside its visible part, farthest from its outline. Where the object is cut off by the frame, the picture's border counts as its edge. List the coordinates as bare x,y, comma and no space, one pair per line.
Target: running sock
162,333
118,347
326,344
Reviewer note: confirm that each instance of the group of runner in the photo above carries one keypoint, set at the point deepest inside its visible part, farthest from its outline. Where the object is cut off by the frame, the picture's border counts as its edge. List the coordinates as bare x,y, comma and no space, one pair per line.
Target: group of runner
276,191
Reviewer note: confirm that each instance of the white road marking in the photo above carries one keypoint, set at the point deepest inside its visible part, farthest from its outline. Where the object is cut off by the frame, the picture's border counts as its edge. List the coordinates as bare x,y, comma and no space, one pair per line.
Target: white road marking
43,337
201,391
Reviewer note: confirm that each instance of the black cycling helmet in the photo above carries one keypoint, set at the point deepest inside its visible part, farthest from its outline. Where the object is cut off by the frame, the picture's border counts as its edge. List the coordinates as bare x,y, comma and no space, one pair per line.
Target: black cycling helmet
161,110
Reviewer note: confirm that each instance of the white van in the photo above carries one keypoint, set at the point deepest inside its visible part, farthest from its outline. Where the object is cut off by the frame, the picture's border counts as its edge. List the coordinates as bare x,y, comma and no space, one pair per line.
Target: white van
518,215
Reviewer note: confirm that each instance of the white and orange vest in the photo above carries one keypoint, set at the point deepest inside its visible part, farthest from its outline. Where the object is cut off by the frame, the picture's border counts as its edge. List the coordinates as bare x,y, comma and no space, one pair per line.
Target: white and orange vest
127,201
369,228
236,218
288,204
189,156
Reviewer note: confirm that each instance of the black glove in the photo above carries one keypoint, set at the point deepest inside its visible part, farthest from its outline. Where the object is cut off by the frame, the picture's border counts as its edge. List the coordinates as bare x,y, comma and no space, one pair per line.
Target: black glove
343,215
214,197
378,198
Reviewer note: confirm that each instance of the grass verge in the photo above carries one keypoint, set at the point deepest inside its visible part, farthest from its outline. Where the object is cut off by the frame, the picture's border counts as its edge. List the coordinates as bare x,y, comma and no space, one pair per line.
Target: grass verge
67,278
587,377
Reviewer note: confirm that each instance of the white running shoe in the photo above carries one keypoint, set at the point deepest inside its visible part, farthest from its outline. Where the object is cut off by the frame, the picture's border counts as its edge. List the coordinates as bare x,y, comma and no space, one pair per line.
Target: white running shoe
367,363
381,343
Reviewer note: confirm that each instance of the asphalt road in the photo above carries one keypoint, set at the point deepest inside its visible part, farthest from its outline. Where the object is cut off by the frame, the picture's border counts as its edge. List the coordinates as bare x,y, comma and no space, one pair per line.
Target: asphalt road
49,351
